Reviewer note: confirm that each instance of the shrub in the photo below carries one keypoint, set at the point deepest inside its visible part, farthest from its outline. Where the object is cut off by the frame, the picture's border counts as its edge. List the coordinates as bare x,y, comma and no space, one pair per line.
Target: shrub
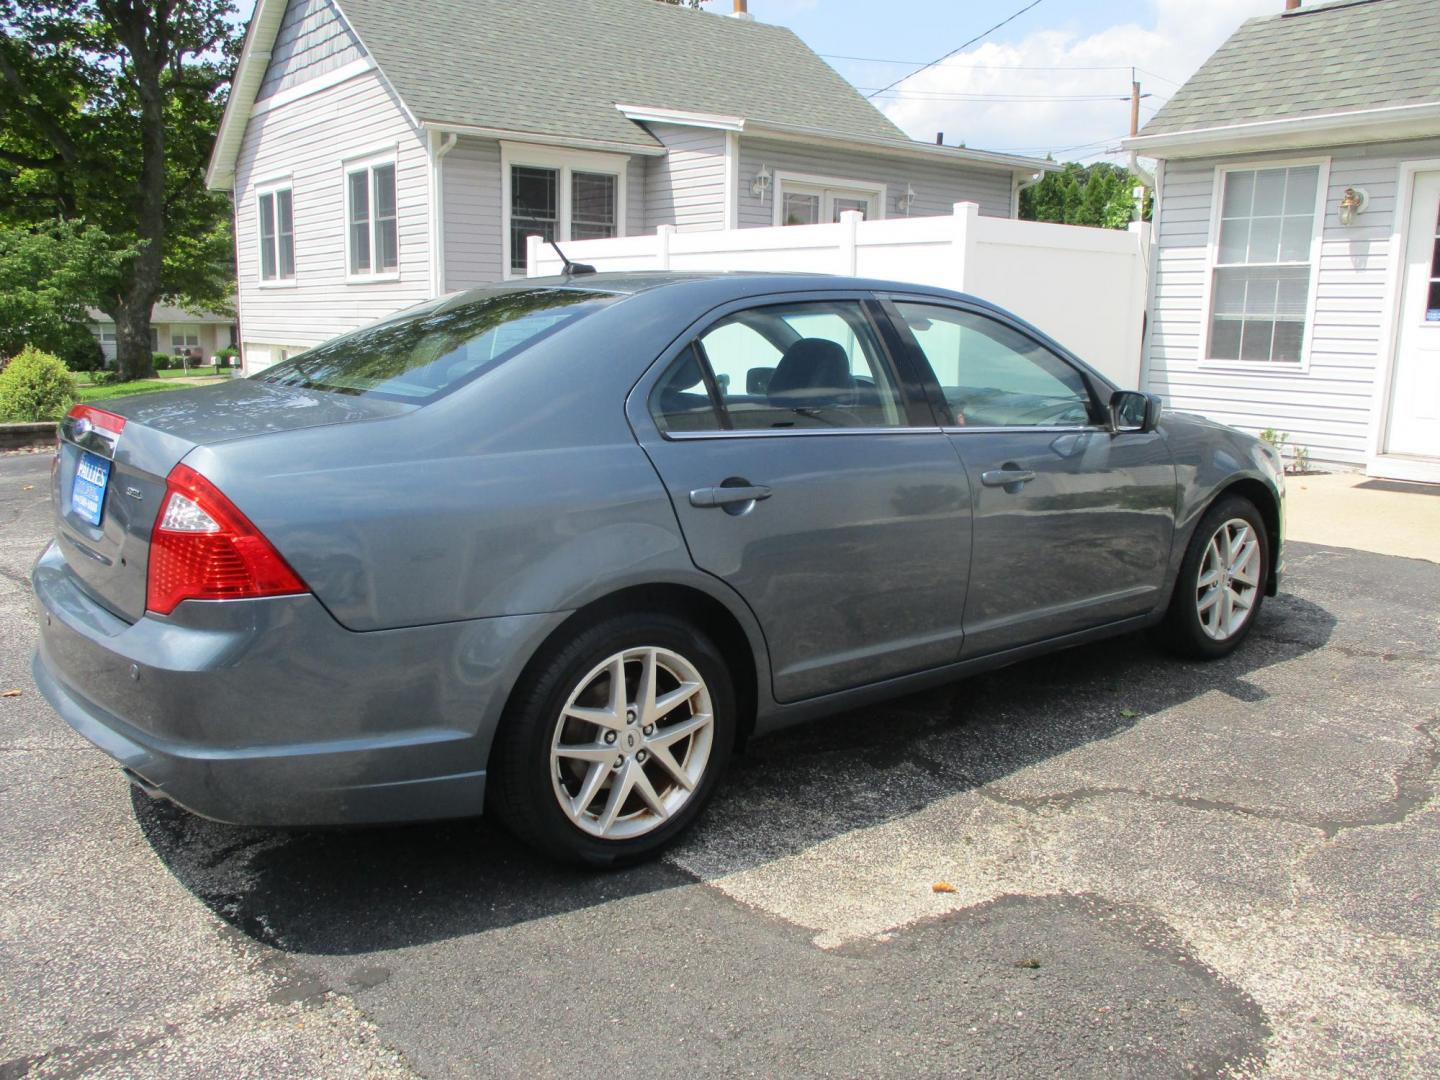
80,351
164,361
226,356
35,386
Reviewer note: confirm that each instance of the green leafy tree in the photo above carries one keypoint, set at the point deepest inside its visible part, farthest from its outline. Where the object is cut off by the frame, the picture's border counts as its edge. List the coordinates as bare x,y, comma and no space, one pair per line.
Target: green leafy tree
45,277
108,110
1098,195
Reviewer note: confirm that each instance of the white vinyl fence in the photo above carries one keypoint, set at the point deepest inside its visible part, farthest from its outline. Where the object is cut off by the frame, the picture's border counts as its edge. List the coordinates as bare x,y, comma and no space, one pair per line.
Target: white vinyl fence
1083,287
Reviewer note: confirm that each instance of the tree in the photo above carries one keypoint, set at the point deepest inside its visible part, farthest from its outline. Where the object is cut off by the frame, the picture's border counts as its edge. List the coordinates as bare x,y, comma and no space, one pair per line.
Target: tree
108,110
45,274
1098,195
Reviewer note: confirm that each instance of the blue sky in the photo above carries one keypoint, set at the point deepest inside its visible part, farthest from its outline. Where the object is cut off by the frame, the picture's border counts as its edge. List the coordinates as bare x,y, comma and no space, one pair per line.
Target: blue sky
1055,80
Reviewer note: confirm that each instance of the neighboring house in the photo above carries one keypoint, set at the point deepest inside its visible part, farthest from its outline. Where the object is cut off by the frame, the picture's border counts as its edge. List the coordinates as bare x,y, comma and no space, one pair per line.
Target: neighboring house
1296,281
172,330
380,154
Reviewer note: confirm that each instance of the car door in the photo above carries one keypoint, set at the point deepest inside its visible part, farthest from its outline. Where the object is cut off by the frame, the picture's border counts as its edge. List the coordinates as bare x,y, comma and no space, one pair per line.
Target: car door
1073,522
810,475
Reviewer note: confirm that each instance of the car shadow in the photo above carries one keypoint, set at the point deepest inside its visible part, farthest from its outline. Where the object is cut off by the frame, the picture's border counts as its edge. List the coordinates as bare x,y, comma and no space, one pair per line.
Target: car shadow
345,892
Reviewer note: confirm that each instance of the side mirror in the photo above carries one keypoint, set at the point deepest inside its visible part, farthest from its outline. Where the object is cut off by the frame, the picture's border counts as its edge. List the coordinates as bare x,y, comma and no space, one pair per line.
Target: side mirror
1132,411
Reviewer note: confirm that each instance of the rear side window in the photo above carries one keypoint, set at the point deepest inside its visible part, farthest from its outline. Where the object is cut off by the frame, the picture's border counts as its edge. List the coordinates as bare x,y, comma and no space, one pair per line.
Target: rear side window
816,364
421,355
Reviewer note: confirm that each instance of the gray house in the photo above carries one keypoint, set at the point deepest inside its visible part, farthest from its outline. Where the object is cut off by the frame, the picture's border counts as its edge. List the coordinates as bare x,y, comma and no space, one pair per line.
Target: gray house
380,154
1296,283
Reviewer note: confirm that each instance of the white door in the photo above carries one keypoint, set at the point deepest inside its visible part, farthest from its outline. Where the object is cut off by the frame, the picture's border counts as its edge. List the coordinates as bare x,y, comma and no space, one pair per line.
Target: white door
1415,392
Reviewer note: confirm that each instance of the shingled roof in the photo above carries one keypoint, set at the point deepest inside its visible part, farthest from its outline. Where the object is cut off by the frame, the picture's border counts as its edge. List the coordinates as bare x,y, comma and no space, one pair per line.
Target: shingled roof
559,67
1318,60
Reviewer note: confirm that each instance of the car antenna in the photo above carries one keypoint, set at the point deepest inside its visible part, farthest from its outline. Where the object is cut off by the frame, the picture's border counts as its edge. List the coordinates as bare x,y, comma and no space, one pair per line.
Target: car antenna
571,268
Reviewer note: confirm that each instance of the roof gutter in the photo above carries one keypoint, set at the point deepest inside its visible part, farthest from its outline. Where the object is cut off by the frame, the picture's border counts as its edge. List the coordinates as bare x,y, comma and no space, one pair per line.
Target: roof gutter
1354,126
644,149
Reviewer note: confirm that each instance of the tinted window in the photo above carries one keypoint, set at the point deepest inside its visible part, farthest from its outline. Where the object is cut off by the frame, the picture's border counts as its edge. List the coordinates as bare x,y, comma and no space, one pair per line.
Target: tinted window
680,400
995,376
805,365
423,354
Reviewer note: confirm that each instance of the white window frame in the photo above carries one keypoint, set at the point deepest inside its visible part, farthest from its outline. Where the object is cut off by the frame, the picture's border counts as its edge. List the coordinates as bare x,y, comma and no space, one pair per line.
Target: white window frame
828,187
1212,252
565,161
272,188
367,163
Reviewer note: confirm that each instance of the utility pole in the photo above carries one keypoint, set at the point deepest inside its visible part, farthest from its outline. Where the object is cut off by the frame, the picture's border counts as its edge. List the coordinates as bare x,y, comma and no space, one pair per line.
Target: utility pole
1134,104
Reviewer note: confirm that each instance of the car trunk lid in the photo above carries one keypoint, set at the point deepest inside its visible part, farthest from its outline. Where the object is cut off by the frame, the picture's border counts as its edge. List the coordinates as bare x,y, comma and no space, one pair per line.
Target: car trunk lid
112,463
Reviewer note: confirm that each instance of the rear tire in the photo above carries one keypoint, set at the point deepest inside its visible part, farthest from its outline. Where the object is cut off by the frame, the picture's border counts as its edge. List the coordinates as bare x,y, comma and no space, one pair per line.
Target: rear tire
591,776
1221,583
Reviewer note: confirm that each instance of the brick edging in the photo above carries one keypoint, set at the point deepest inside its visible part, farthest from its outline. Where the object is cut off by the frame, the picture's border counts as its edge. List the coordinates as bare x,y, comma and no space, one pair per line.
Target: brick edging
21,436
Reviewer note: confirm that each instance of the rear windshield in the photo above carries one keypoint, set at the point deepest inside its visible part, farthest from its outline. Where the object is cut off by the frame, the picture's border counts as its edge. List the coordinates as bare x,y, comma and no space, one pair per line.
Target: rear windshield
419,356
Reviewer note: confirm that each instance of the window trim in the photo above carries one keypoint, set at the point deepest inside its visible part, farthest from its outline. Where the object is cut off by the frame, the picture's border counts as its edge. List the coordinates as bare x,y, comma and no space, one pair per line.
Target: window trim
273,188
367,163
1212,250
566,161
1098,387
828,186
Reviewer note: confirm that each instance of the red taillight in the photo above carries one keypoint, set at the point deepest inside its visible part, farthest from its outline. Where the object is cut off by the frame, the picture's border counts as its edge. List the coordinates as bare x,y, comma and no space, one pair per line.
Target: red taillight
204,548
105,421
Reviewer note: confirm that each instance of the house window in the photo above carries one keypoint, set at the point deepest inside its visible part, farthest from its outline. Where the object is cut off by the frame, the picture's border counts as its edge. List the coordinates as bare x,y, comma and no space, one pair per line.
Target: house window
184,342
372,232
560,195
277,235
1260,289
815,200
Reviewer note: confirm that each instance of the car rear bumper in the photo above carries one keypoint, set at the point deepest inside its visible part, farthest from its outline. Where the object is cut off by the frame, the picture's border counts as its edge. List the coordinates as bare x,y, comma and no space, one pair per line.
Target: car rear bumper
268,712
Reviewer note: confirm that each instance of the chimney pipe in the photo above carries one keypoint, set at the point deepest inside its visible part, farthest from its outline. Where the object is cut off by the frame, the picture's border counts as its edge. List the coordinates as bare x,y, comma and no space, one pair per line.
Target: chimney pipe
742,11
939,138
1290,5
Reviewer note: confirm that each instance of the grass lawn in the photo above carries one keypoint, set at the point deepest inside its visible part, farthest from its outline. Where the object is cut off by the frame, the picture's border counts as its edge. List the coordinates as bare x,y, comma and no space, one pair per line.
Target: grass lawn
85,378
90,392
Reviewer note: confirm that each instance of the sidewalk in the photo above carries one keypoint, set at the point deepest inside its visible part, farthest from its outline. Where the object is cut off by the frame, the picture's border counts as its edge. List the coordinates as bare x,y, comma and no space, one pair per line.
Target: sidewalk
1350,511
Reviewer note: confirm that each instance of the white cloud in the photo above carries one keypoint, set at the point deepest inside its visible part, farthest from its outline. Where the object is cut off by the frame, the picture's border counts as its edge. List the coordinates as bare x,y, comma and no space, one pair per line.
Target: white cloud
1183,34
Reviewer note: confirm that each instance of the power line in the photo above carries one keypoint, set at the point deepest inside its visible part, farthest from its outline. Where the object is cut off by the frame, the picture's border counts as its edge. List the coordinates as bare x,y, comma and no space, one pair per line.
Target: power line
941,95
972,41
986,67
1162,78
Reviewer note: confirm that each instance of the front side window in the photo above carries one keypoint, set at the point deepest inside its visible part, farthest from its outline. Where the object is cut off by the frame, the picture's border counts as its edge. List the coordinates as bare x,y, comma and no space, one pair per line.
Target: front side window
419,355
277,235
781,367
560,203
1261,278
993,376
373,229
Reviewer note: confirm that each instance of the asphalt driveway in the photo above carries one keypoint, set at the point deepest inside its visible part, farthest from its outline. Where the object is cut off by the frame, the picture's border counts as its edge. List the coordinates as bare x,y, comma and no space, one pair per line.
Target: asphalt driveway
1158,869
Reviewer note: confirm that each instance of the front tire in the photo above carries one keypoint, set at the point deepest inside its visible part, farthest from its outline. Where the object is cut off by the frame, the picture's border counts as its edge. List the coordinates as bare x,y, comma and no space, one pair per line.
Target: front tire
613,743
1222,579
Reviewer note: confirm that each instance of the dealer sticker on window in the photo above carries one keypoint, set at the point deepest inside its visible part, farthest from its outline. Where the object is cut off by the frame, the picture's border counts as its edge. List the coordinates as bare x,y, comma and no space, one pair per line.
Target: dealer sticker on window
87,494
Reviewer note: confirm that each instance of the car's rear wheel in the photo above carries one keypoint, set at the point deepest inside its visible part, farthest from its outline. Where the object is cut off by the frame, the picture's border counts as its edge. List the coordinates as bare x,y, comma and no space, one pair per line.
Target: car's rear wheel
615,741
1222,581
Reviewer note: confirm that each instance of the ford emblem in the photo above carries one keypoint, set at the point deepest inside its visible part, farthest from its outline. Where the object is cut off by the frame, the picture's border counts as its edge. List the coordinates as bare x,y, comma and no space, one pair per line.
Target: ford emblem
83,427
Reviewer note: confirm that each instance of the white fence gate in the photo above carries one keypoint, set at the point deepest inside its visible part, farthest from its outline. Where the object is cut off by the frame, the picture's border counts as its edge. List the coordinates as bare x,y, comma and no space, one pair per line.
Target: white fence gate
1083,287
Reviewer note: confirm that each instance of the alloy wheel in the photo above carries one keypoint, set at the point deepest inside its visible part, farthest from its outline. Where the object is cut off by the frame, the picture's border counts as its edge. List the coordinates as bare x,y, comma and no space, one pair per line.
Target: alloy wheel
1229,579
632,743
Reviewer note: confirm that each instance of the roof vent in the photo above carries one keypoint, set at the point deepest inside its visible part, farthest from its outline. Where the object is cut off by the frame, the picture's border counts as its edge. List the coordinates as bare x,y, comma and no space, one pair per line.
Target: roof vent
742,11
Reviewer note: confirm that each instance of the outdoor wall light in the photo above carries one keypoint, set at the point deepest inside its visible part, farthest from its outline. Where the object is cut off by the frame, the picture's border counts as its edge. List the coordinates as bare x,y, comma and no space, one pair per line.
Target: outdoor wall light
1353,204
761,183
906,201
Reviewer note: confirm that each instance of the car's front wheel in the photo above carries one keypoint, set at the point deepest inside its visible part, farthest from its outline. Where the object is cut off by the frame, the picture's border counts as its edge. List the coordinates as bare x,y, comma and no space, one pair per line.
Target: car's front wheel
614,742
1222,581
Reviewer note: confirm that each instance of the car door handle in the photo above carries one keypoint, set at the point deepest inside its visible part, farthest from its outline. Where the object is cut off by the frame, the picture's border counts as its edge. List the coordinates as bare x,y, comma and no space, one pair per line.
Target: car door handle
723,495
1007,477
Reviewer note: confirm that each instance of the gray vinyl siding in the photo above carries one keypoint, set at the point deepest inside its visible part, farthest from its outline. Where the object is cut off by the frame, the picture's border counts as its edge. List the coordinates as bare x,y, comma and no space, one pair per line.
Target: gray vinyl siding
470,185
313,39
686,187
1327,407
308,142
938,185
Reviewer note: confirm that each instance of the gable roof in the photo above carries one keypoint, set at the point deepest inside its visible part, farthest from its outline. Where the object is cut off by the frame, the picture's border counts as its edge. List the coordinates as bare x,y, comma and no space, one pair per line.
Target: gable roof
556,70
1320,62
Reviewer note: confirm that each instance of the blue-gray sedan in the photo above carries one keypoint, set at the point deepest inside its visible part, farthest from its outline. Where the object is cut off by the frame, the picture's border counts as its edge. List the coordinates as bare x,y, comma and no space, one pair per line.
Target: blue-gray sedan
555,548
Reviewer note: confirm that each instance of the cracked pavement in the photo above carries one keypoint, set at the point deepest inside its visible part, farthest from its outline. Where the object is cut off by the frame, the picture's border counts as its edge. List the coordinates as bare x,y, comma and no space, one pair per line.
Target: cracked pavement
1159,869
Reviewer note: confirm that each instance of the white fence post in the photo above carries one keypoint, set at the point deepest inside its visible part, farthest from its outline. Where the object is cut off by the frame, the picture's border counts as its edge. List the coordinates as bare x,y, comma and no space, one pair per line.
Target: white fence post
662,245
849,230
965,216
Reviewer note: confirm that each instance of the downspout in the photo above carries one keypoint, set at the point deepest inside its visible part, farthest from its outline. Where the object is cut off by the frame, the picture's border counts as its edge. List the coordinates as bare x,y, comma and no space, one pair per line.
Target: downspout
1028,182
1146,178
437,212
